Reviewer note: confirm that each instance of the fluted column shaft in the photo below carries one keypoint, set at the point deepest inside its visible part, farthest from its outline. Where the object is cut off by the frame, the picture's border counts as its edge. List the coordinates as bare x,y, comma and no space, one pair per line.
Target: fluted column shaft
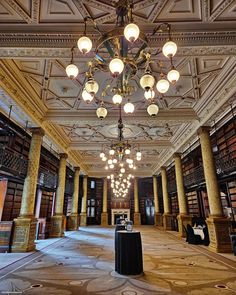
155,193
104,201
136,201
30,184
85,190
183,208
75,197
61,185
165,191
210,173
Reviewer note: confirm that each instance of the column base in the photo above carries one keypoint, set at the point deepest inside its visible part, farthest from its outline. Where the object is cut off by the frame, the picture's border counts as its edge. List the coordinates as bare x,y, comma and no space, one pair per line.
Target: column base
158,219
183,220
167,221
24,234
104,219
137,219
219,234
57,226
73,222
83,219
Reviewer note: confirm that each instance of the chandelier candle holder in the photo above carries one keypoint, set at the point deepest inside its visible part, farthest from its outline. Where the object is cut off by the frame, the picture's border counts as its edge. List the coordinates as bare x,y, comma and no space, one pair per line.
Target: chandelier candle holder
125,53
121,160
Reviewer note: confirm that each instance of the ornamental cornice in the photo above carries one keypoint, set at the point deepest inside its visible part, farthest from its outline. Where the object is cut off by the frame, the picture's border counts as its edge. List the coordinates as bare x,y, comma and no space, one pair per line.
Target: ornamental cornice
64,40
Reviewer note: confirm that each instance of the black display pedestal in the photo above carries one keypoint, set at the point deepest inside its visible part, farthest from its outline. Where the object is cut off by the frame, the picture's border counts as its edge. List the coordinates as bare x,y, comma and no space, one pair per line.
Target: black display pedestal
128,253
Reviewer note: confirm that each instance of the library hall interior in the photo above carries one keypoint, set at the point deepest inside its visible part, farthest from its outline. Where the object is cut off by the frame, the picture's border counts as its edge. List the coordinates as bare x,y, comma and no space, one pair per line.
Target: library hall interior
118,147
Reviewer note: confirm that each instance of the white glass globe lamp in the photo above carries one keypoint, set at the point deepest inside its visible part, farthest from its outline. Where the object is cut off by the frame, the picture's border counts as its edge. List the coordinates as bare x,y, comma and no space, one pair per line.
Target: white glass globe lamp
102,155
111,152
162,86
152,109
147,81
72,71
101,112
173,76
169,49
127,151
104,159
150,94
87,97
109,161
117,99
84,44
91,86
138,154
131,32
122,170
129,108
116,66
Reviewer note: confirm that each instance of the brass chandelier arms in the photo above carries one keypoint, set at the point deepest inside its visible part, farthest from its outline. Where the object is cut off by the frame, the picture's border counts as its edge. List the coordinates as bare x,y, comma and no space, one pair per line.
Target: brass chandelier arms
128,54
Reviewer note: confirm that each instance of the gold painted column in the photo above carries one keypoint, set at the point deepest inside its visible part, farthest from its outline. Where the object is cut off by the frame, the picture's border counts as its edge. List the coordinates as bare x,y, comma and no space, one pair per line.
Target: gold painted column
104,216
83,214
73,218
25,224
58,219
183,218
158,215
218,225
167,217
137,215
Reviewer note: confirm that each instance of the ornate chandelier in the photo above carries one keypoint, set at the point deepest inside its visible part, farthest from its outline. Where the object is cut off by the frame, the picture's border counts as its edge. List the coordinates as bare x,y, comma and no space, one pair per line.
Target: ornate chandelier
124,51
121,160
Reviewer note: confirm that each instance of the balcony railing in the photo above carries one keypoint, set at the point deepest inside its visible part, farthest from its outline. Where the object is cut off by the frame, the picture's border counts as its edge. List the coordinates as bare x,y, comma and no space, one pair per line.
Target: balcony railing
226,164
195,177
46,178
13,162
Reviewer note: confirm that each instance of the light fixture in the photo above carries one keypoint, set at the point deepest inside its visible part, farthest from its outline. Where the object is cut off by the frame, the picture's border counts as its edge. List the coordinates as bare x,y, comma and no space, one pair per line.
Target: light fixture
173,76
111,152
71,70
116,66
152,109
169,49
132,61
101,111
84,44
162,86
150,94
102,155
117,99
131,32
91,86
87,97
129,108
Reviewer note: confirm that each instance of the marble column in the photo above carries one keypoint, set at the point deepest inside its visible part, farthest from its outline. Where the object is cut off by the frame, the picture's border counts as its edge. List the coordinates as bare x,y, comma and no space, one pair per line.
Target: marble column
218,225
104,216
183,218
167,217
25,224
137,215
73,218
83,214
58,219
158,215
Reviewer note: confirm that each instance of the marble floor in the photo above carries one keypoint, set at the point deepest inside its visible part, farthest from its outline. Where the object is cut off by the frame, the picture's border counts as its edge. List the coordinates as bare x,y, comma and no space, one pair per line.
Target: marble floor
83,263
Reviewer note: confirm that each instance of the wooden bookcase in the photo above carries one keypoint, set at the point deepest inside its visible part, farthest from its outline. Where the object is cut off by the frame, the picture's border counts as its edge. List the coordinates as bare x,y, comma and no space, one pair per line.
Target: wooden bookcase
46,204
12,203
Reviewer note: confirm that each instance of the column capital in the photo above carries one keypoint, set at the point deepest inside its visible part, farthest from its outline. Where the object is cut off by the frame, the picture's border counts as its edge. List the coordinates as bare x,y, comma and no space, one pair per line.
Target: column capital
77,168
177,155
85,176
163,167
203,129
63,156
37,131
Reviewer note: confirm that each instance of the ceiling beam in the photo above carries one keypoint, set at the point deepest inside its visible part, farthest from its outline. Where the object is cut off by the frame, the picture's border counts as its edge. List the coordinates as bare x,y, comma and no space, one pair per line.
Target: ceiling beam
81,117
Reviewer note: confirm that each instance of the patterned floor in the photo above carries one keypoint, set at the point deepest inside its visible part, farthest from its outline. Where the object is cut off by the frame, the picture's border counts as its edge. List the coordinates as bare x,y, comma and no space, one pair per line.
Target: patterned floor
83,263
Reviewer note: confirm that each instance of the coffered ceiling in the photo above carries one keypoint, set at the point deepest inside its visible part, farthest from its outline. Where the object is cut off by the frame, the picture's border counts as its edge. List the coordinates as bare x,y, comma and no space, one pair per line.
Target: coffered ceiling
35,44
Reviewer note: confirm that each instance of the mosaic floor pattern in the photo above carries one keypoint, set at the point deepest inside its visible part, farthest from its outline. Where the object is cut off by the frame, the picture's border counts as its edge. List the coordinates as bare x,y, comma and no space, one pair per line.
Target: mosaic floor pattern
83,263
